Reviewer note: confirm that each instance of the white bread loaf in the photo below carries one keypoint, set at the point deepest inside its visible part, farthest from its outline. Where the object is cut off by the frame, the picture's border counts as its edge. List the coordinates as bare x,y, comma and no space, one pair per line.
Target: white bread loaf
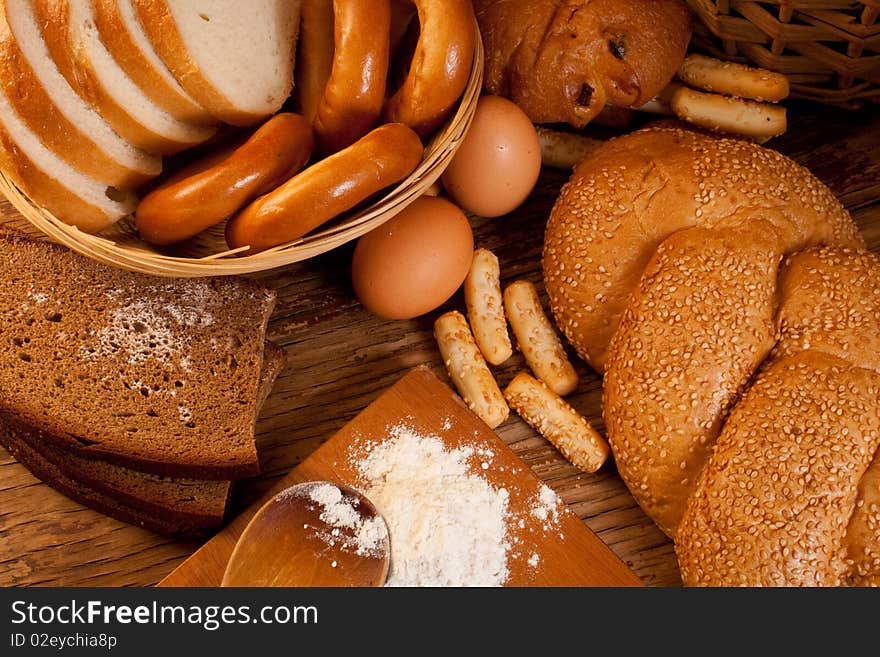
52,183
69,31
123,35
236,62
33,105
61,120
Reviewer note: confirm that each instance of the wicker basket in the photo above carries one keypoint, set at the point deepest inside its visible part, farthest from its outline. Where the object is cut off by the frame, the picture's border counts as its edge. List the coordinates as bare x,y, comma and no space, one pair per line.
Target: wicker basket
829,49
208,255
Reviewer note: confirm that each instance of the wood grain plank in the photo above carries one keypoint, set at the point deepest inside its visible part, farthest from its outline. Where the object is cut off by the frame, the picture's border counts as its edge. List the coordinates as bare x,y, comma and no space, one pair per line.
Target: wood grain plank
341,358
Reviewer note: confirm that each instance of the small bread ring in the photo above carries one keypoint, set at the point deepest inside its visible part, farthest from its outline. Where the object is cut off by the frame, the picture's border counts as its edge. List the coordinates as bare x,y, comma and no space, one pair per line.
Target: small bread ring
440,67
733,79
220,185
314,61
329,187
734,115
355,91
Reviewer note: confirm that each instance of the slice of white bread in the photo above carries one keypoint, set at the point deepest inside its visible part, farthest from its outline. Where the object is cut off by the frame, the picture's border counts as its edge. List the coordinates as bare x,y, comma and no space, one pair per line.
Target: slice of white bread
60,118
34,106
236,59
121,32
165,505
52,183
69,32
155,374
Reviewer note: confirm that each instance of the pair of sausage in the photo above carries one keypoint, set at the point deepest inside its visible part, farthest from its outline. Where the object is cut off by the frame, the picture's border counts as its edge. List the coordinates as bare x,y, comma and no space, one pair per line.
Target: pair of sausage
253,177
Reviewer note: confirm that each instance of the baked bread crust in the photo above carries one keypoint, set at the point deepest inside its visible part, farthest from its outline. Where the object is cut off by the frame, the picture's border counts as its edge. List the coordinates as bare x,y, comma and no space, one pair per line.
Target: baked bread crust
769,480
791,493
564,60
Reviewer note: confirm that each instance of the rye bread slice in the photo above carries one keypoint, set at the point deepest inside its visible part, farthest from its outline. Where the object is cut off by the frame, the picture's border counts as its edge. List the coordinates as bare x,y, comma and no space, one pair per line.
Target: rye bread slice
157,374
162,504
46,471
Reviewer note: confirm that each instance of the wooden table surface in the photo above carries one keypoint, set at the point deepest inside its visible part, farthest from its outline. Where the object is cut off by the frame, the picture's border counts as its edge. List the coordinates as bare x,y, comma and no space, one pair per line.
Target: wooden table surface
340,358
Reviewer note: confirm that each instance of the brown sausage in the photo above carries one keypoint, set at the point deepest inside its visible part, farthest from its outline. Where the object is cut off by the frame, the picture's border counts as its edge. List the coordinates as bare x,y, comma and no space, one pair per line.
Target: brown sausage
178,211
355,92
326,189
440,66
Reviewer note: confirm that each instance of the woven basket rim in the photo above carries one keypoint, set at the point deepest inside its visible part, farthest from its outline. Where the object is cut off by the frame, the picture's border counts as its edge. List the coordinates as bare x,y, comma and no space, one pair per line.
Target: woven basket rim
143,258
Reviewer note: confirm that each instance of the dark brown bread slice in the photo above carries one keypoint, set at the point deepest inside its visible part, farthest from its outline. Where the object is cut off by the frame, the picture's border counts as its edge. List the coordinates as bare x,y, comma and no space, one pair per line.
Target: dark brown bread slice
46,471
189,506
156,374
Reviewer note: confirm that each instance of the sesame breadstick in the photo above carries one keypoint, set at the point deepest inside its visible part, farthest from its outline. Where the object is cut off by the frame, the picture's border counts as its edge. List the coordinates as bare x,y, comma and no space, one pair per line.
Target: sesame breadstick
557,421
485,309
468,369
537,340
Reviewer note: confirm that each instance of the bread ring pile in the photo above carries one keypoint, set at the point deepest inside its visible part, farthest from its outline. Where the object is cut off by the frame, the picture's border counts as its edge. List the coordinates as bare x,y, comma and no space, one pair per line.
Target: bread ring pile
264,188
726,295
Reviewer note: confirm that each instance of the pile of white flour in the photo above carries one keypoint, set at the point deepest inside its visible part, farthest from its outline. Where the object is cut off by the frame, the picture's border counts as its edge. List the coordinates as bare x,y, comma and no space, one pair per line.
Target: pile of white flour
448,526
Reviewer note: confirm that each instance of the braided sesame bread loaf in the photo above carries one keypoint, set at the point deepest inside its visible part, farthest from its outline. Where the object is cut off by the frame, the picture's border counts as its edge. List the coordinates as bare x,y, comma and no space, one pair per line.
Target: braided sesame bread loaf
662,261
563,61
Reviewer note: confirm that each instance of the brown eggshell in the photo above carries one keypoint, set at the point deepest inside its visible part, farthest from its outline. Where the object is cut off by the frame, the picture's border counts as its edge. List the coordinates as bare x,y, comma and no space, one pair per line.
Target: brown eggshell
498,163
414,262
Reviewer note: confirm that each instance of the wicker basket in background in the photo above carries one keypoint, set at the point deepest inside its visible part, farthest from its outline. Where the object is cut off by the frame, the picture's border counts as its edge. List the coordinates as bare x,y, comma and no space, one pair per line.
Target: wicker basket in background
829,49
208,255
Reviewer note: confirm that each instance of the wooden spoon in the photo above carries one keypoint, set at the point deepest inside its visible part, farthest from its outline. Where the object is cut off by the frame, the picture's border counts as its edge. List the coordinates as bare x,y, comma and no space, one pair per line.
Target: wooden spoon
298,539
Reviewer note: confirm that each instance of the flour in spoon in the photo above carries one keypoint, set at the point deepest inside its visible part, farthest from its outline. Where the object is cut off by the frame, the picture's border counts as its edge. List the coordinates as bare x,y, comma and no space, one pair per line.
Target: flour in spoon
349,530
448,525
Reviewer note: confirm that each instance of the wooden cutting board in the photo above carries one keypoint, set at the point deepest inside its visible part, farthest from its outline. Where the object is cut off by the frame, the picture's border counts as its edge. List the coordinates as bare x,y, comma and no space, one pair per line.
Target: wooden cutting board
569,554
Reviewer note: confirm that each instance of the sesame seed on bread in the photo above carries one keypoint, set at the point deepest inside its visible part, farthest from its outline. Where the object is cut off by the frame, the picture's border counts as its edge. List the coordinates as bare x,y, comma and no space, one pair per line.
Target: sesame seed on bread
791,494
156,374
742,380
635,191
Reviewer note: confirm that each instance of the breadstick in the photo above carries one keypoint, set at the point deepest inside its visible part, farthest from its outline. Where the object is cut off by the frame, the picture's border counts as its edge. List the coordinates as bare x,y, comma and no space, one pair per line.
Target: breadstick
557,421
468,370
733,79
743,117
564,150
537,340
482,296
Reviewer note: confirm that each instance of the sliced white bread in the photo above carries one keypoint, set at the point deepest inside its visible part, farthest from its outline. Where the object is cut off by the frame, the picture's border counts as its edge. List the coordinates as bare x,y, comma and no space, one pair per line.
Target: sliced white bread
69,31
52,183
236,59
121,32
60,118
56,131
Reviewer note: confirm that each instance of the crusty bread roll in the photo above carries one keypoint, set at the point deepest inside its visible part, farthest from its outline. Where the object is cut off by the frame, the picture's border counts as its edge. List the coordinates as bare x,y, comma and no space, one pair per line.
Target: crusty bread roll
662,261
564,61
791,494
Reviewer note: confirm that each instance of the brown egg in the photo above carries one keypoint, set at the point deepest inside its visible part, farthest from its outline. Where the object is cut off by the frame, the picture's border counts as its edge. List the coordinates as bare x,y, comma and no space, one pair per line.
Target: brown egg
497,165
414,262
